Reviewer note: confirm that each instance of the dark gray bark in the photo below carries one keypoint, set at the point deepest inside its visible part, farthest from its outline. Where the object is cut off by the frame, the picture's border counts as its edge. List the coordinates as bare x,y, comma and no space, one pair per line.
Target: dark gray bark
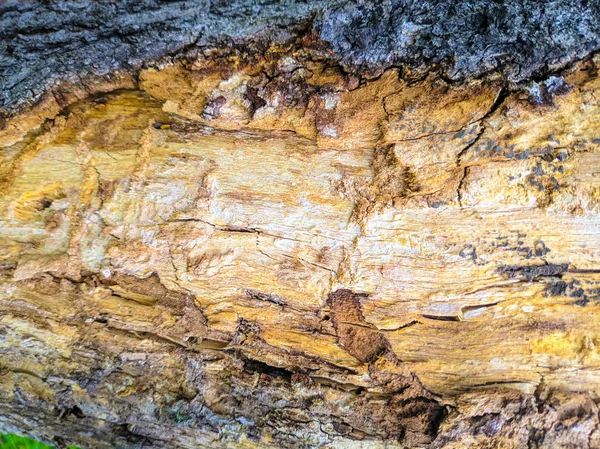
43,42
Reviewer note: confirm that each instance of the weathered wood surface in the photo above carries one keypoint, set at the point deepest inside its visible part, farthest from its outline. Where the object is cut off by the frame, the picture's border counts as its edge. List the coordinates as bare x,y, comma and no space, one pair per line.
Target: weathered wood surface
264,248
300,261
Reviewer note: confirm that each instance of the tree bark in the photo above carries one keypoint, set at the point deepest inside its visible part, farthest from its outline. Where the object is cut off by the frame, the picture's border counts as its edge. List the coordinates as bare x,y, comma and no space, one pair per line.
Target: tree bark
360,226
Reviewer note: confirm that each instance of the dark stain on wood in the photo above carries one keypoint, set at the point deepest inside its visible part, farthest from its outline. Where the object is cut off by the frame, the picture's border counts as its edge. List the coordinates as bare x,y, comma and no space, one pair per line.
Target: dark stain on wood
354,334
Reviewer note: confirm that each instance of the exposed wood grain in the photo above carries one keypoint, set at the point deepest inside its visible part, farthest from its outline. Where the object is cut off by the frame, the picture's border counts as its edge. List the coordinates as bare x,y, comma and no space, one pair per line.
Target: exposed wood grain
384,265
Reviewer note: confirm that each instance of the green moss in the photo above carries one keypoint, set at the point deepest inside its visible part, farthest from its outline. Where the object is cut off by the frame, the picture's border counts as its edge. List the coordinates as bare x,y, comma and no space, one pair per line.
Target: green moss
11,441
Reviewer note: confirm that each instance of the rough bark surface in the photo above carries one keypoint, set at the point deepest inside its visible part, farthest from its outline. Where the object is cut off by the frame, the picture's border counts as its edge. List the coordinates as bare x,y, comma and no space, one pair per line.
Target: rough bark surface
267,246
43,43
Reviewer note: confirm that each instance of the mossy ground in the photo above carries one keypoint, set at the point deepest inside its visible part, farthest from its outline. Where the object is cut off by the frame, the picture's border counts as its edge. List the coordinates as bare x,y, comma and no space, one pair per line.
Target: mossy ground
12,441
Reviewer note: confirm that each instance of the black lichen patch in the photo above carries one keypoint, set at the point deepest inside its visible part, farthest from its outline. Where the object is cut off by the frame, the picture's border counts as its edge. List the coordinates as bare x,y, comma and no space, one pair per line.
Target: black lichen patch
526,247
547,180
538,250
531,272
584,291
557,288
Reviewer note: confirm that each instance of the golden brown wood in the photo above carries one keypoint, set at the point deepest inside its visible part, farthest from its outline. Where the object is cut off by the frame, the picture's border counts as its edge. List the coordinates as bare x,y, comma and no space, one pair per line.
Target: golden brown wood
212,258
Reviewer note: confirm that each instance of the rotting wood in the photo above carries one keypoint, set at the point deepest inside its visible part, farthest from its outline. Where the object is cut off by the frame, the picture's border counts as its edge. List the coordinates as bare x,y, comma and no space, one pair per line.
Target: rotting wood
303,259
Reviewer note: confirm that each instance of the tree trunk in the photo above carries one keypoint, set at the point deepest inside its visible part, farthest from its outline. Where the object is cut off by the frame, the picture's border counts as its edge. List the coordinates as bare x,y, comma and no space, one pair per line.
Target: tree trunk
256,225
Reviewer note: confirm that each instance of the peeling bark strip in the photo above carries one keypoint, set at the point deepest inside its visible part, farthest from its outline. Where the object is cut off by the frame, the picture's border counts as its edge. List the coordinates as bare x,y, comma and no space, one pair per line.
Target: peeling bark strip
181,242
